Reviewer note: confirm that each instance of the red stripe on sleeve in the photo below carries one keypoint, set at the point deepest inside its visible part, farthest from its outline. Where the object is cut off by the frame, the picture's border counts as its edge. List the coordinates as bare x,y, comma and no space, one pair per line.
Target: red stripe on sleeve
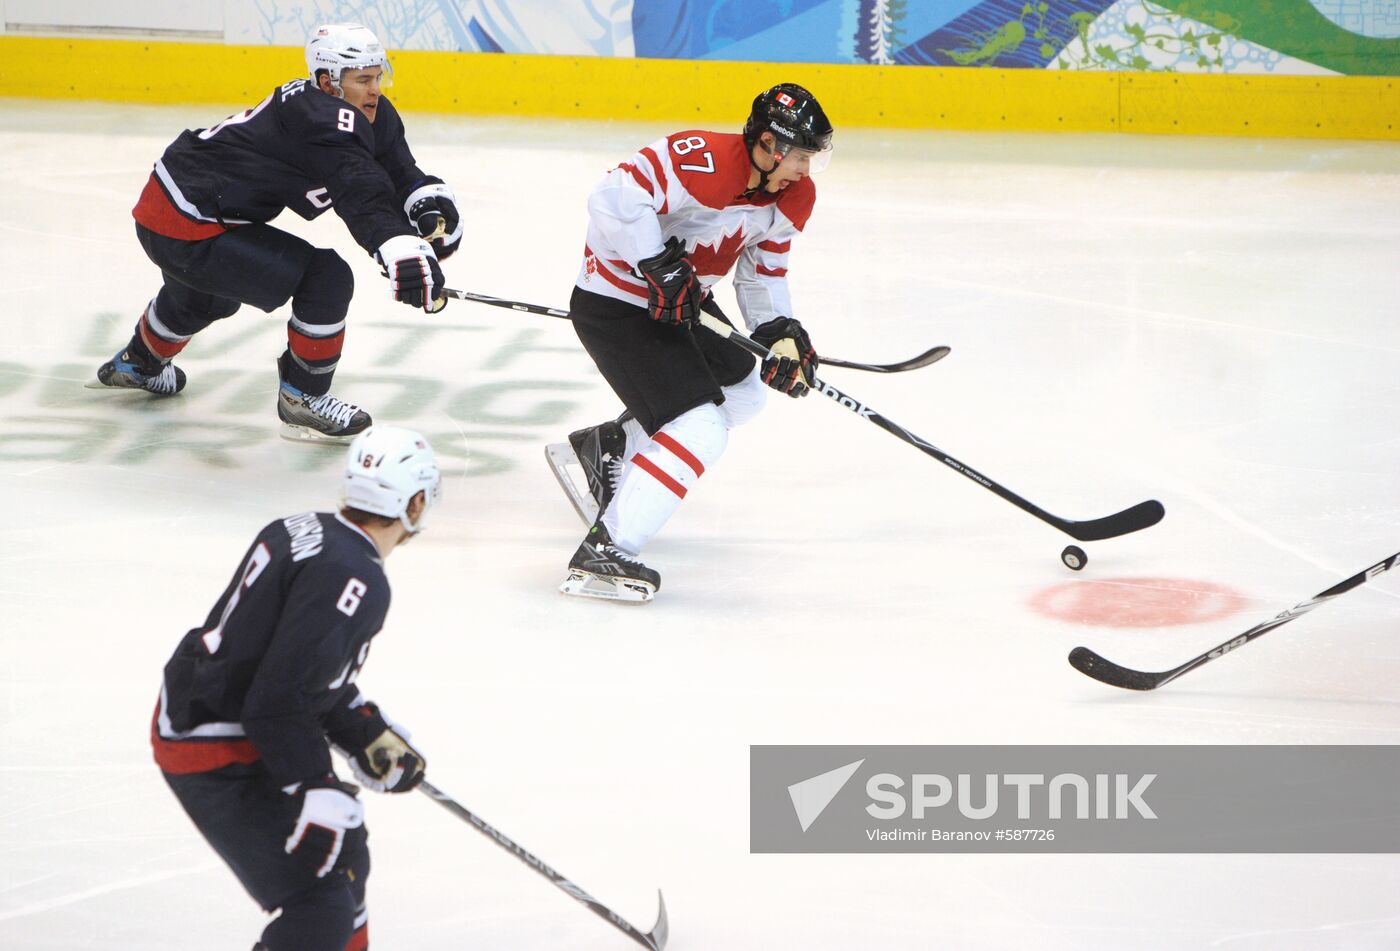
637,174
680,452
777,247
658,474
660,176
772,271
619,283
655,163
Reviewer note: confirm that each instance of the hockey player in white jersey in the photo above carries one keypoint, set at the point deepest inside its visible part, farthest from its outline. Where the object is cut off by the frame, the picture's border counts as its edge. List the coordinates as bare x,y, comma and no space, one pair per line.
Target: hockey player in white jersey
664,226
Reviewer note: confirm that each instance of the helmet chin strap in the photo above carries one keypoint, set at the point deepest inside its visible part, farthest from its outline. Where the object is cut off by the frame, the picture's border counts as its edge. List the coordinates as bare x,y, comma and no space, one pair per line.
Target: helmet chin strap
413,528
763,174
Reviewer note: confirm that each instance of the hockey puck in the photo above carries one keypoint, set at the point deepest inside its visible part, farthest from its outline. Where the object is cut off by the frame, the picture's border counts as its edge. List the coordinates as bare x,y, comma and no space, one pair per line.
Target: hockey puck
1074,558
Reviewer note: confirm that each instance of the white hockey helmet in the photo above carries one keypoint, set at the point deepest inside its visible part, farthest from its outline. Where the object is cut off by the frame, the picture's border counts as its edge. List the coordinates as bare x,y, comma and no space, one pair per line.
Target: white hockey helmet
386,467
339,46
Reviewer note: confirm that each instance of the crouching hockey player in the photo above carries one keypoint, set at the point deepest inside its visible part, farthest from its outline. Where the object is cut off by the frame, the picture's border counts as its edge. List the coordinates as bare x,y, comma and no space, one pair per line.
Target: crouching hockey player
663,227
250,700
328,141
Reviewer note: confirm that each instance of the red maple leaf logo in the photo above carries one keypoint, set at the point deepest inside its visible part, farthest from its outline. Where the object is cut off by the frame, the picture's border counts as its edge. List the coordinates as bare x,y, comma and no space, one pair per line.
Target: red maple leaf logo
718,261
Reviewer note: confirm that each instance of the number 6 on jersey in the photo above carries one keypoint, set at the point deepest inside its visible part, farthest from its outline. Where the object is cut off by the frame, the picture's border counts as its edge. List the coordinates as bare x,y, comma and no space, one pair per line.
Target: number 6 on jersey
350,597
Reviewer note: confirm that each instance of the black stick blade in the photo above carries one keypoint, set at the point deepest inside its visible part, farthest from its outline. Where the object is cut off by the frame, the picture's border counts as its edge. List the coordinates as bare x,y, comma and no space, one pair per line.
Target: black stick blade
1106,671
923,360
1135,519
913,363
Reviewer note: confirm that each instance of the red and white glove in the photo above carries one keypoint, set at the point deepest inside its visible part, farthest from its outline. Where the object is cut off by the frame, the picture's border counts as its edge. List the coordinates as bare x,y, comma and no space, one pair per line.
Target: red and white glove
673,290
330,818
792,368
413,272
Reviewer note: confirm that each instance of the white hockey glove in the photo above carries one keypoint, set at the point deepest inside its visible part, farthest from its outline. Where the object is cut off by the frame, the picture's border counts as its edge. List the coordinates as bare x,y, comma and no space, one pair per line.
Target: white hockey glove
432,210
389,763
413,272
330,818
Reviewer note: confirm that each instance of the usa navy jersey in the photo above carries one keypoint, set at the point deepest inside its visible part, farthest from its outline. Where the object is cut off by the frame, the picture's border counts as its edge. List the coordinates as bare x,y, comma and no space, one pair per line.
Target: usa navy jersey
299,148
271,672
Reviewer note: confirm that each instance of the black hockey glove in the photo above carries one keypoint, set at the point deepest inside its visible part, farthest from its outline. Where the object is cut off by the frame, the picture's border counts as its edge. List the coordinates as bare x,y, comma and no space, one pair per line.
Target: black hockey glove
413,272
432,210
389,763
331,825
673,291
792,368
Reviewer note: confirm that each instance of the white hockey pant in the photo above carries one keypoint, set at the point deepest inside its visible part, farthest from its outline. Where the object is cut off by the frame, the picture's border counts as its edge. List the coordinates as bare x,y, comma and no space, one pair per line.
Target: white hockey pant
660,470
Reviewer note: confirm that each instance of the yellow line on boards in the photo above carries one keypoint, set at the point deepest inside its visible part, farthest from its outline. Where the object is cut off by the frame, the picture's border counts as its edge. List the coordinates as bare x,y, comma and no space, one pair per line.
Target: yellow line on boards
907,97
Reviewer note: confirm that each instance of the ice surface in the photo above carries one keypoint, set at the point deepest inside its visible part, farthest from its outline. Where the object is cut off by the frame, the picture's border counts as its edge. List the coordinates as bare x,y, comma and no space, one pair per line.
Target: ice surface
1208,322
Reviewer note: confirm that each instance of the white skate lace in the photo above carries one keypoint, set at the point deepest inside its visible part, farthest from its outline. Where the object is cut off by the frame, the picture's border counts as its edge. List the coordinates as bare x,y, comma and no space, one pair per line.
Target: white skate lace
164,381
615,466
337,411
617,554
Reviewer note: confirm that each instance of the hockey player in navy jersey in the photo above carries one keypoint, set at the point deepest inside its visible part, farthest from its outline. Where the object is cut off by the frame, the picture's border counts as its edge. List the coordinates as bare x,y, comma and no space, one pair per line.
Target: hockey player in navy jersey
331,140
664,226
252,698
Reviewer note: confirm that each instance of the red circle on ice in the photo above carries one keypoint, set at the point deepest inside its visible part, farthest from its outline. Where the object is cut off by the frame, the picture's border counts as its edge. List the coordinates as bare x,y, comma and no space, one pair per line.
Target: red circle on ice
1138,602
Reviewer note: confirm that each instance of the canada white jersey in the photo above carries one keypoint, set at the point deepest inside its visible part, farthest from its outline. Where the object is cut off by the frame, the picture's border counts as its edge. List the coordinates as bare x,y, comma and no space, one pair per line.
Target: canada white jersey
691,185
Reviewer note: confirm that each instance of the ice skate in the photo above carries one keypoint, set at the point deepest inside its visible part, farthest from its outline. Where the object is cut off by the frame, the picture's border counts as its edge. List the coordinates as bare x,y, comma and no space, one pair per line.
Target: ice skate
597,452
307,418
599,569
126,372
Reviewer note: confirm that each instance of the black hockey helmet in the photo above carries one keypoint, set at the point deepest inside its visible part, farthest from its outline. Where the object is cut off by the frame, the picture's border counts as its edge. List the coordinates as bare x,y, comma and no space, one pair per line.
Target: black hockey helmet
794,117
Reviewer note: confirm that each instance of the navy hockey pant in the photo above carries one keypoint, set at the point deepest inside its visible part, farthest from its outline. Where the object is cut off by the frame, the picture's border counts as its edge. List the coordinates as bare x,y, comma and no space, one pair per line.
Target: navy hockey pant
253,264
247,818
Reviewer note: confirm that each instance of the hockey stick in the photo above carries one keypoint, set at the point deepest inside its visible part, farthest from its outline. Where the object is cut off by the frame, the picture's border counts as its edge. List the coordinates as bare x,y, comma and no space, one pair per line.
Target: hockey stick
913,363
1087,662
655,939
1140,516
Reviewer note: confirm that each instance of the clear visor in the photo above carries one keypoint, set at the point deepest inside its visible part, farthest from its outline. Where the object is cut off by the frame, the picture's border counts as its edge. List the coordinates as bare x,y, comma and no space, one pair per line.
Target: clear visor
805,160
386,73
